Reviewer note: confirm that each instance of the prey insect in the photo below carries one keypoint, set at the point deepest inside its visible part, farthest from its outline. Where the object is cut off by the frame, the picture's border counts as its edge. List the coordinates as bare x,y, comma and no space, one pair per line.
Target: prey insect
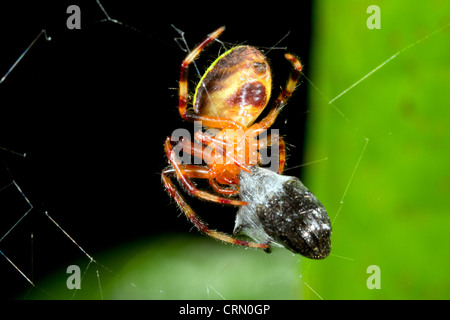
282,211
229,98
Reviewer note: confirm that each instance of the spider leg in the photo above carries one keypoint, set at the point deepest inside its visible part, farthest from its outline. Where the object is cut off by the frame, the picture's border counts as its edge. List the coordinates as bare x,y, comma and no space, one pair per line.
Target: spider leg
209,121
195,149
192,171
272,140
281,154
220,189
280,102
187,183
199,172
195,219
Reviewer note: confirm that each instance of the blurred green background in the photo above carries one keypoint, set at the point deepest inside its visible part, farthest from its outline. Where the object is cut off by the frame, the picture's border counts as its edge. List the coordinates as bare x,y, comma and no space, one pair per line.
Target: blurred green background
395,208
380,156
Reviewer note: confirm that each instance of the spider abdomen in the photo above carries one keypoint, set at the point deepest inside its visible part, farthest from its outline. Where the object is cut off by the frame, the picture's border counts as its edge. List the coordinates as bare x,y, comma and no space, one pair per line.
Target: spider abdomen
236,86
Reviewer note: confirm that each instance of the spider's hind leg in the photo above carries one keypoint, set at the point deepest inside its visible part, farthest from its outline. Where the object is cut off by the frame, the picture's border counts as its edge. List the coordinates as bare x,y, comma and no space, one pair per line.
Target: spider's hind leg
195,219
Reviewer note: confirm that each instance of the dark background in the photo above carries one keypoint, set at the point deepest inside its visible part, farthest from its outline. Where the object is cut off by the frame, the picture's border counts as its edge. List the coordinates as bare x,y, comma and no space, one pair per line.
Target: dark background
91,109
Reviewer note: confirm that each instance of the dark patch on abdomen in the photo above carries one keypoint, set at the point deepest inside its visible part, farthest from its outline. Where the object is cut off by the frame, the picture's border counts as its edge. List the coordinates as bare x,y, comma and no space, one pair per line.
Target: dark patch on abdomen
253,93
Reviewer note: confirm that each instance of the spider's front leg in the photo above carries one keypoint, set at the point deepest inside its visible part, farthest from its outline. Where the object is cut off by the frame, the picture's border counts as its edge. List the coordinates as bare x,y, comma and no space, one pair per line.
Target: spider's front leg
282,99
187,183
209,121
274,140
195,219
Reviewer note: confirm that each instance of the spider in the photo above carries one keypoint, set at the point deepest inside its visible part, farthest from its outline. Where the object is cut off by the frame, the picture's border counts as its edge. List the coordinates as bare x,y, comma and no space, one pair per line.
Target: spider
229,97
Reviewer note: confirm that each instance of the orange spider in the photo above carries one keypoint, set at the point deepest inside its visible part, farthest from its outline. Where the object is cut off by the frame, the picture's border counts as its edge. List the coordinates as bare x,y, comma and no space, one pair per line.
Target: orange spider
230,96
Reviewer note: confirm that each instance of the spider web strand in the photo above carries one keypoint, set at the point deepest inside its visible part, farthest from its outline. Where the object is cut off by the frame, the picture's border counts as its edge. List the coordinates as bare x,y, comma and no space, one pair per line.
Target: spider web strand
68,236
351,178
389,60
24,215
23,155
43,32
17,268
